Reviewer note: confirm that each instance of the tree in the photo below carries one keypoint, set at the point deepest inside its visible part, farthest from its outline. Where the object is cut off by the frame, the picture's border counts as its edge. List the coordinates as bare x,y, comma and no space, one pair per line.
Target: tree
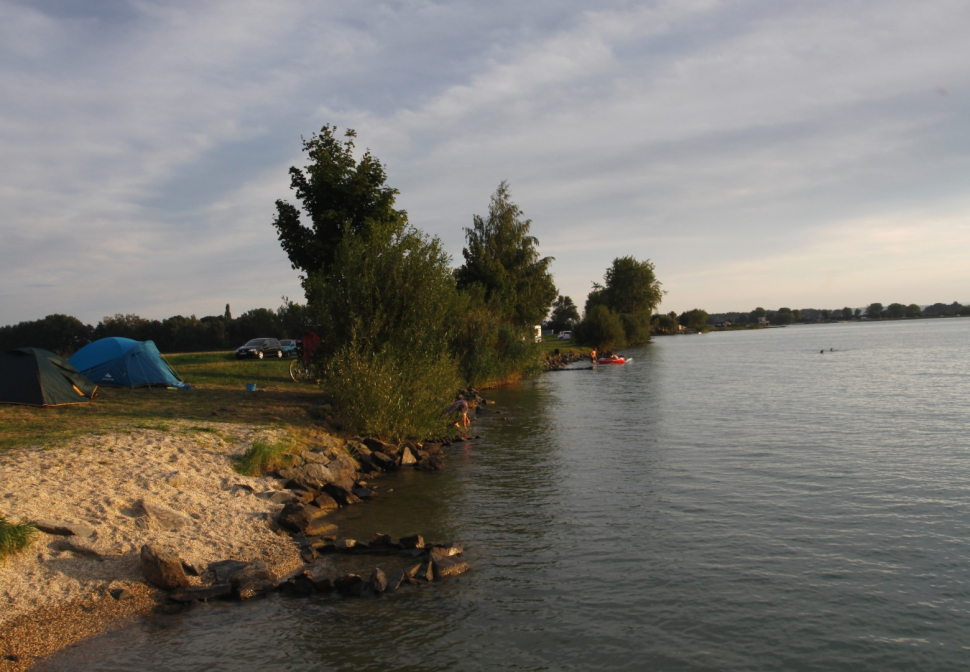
693,319
601,328
564,314
341,196
631,290
664,324
782,316
896,311
503,259
228,314
846,313
874,311
913,310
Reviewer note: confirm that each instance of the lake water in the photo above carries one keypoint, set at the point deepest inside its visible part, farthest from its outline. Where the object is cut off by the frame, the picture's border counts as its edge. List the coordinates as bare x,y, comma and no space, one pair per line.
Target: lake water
732,501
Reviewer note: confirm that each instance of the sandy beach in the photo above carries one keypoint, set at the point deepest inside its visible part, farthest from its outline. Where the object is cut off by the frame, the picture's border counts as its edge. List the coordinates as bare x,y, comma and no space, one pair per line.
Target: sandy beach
64,588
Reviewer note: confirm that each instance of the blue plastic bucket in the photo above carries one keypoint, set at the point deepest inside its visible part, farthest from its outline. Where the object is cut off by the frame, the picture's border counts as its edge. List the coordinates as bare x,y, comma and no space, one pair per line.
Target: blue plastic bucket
250,387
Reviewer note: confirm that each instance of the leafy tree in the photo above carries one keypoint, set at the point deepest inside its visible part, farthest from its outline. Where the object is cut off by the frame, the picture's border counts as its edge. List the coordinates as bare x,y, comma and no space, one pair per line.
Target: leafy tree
896,311
564,314
874,311
503,259
631,290
693,319
796,315
846,313
857,313
664,324
340,195
782,316
62,334
913,310
601,328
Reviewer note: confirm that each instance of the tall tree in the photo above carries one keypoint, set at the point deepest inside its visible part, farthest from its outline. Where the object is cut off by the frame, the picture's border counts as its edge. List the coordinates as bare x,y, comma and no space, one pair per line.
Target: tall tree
503,259
341,195
874,311
564,314
896,311
913,310
631,286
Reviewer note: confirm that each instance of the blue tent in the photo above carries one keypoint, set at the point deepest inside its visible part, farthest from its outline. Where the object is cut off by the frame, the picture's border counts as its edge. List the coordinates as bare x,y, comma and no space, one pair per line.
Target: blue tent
123,362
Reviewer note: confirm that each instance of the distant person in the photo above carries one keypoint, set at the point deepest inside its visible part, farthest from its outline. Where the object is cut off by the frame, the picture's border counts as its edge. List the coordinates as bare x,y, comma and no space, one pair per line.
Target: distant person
821,352
831,349
459,409
592,355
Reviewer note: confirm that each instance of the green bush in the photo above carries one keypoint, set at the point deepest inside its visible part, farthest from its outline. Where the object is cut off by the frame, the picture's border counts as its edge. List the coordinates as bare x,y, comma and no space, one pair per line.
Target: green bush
393,394
601,328
15,538
263,457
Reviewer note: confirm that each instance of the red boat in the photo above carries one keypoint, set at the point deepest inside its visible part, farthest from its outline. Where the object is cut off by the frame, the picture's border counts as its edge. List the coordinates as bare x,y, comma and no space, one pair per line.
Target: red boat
612,360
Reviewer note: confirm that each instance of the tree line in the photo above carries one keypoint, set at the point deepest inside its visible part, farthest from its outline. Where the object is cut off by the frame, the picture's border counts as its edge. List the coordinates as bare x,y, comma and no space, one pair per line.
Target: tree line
65,334
874,311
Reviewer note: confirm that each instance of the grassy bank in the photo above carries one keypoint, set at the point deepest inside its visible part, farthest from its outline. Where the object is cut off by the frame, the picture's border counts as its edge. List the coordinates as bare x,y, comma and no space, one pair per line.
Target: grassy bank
219,394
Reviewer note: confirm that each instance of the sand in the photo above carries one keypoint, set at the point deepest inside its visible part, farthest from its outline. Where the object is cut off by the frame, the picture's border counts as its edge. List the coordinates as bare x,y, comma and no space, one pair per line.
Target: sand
99,481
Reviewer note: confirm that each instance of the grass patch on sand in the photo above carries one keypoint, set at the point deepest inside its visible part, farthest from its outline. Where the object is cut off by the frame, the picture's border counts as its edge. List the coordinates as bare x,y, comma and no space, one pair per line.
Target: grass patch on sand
264,456
218,394
14,537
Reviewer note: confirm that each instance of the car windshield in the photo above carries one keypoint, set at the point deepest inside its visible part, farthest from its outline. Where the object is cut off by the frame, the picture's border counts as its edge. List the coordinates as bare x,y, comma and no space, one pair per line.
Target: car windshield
255,341
286,342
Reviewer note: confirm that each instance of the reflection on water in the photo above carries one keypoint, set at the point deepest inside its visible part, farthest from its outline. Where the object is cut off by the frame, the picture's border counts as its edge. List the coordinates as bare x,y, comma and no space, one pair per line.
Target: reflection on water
732,501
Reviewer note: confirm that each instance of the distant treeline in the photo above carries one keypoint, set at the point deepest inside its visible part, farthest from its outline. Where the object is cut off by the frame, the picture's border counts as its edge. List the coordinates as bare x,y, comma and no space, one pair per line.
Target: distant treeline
65,334
874,311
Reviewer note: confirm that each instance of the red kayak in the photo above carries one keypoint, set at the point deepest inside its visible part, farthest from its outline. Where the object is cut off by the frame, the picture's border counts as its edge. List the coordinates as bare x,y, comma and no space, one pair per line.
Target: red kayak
607,360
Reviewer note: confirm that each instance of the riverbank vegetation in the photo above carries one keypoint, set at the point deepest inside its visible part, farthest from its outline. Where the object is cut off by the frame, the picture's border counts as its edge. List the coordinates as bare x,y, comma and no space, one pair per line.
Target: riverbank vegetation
14,537
619,311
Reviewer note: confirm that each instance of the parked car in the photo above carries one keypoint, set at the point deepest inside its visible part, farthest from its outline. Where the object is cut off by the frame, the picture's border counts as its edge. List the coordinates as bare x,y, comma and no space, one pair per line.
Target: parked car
259,348
565,335
289,347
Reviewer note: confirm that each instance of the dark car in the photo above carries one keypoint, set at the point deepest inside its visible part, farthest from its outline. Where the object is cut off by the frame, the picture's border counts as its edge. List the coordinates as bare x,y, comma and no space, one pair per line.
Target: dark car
259,348
289,347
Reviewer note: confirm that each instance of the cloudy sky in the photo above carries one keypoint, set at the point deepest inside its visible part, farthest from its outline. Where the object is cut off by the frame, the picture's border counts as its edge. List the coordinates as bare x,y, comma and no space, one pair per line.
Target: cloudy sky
759,152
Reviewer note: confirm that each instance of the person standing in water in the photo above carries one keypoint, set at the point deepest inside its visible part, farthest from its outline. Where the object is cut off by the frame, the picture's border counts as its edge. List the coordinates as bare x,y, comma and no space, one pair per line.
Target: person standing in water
592,355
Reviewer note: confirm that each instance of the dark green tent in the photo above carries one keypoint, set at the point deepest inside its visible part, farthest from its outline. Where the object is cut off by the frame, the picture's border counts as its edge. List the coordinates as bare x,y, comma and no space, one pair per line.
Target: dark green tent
40,378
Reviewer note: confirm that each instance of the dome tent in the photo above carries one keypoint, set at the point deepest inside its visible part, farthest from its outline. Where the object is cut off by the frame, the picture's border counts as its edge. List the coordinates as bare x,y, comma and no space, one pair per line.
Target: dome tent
40,378
122,362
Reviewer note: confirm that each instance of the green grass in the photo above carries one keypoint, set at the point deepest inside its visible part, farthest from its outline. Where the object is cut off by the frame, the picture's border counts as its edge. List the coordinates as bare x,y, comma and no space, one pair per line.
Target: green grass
218,395
14,538
264,456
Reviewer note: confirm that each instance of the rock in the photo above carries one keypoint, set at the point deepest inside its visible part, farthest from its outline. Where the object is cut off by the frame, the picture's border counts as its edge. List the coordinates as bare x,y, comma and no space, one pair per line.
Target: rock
448,566
252,580
432,463
162,517
297,516
121,594
447,550
378,581
345,544
308,554
298,586
320,583
395,581
314,458
192,566
224,570
325,502
414,541
78,548
363,493
162,567
426,573
349,584
407,457
383,461
320,527
377,445
381,540
412,571
64,529
344,469
201,593
279,496
343,496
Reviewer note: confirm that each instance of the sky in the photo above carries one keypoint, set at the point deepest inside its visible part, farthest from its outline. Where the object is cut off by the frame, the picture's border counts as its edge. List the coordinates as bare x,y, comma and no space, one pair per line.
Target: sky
759,152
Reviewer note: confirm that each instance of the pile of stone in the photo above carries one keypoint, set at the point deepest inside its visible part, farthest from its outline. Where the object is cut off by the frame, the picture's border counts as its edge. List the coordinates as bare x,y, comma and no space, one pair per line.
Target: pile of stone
239,580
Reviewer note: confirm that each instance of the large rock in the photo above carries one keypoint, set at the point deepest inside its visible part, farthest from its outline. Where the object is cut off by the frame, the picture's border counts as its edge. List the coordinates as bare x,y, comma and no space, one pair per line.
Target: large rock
65,529
343,495
163,567
325,502
448,566
383,461
447,550
431,463
350,584
320,527
162,517
201,593
407,457
414,541
395,581
378,581
298,517
247,579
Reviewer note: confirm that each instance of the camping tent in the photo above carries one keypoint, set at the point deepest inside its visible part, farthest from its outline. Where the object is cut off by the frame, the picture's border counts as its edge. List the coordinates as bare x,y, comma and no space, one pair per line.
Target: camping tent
41,378
123,362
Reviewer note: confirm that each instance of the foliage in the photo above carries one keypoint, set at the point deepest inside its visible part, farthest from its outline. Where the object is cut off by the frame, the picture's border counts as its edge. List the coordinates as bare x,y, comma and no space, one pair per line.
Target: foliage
564,314
913,310
341,196
263,457
874,311
601,328
393,393
630,290
664,324
14,537
693,319
896,311
846,313
503,259
491,351
62,334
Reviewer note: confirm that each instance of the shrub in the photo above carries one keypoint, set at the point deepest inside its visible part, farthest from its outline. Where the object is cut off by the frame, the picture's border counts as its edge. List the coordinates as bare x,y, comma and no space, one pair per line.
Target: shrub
263,457
601,328
15,538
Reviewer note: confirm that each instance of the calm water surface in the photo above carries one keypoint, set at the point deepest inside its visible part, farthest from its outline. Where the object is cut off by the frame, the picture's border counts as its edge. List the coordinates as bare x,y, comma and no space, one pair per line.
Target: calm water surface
732,501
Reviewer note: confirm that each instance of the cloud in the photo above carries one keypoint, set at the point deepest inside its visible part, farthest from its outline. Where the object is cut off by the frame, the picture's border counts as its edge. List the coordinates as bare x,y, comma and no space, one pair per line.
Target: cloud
144,143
